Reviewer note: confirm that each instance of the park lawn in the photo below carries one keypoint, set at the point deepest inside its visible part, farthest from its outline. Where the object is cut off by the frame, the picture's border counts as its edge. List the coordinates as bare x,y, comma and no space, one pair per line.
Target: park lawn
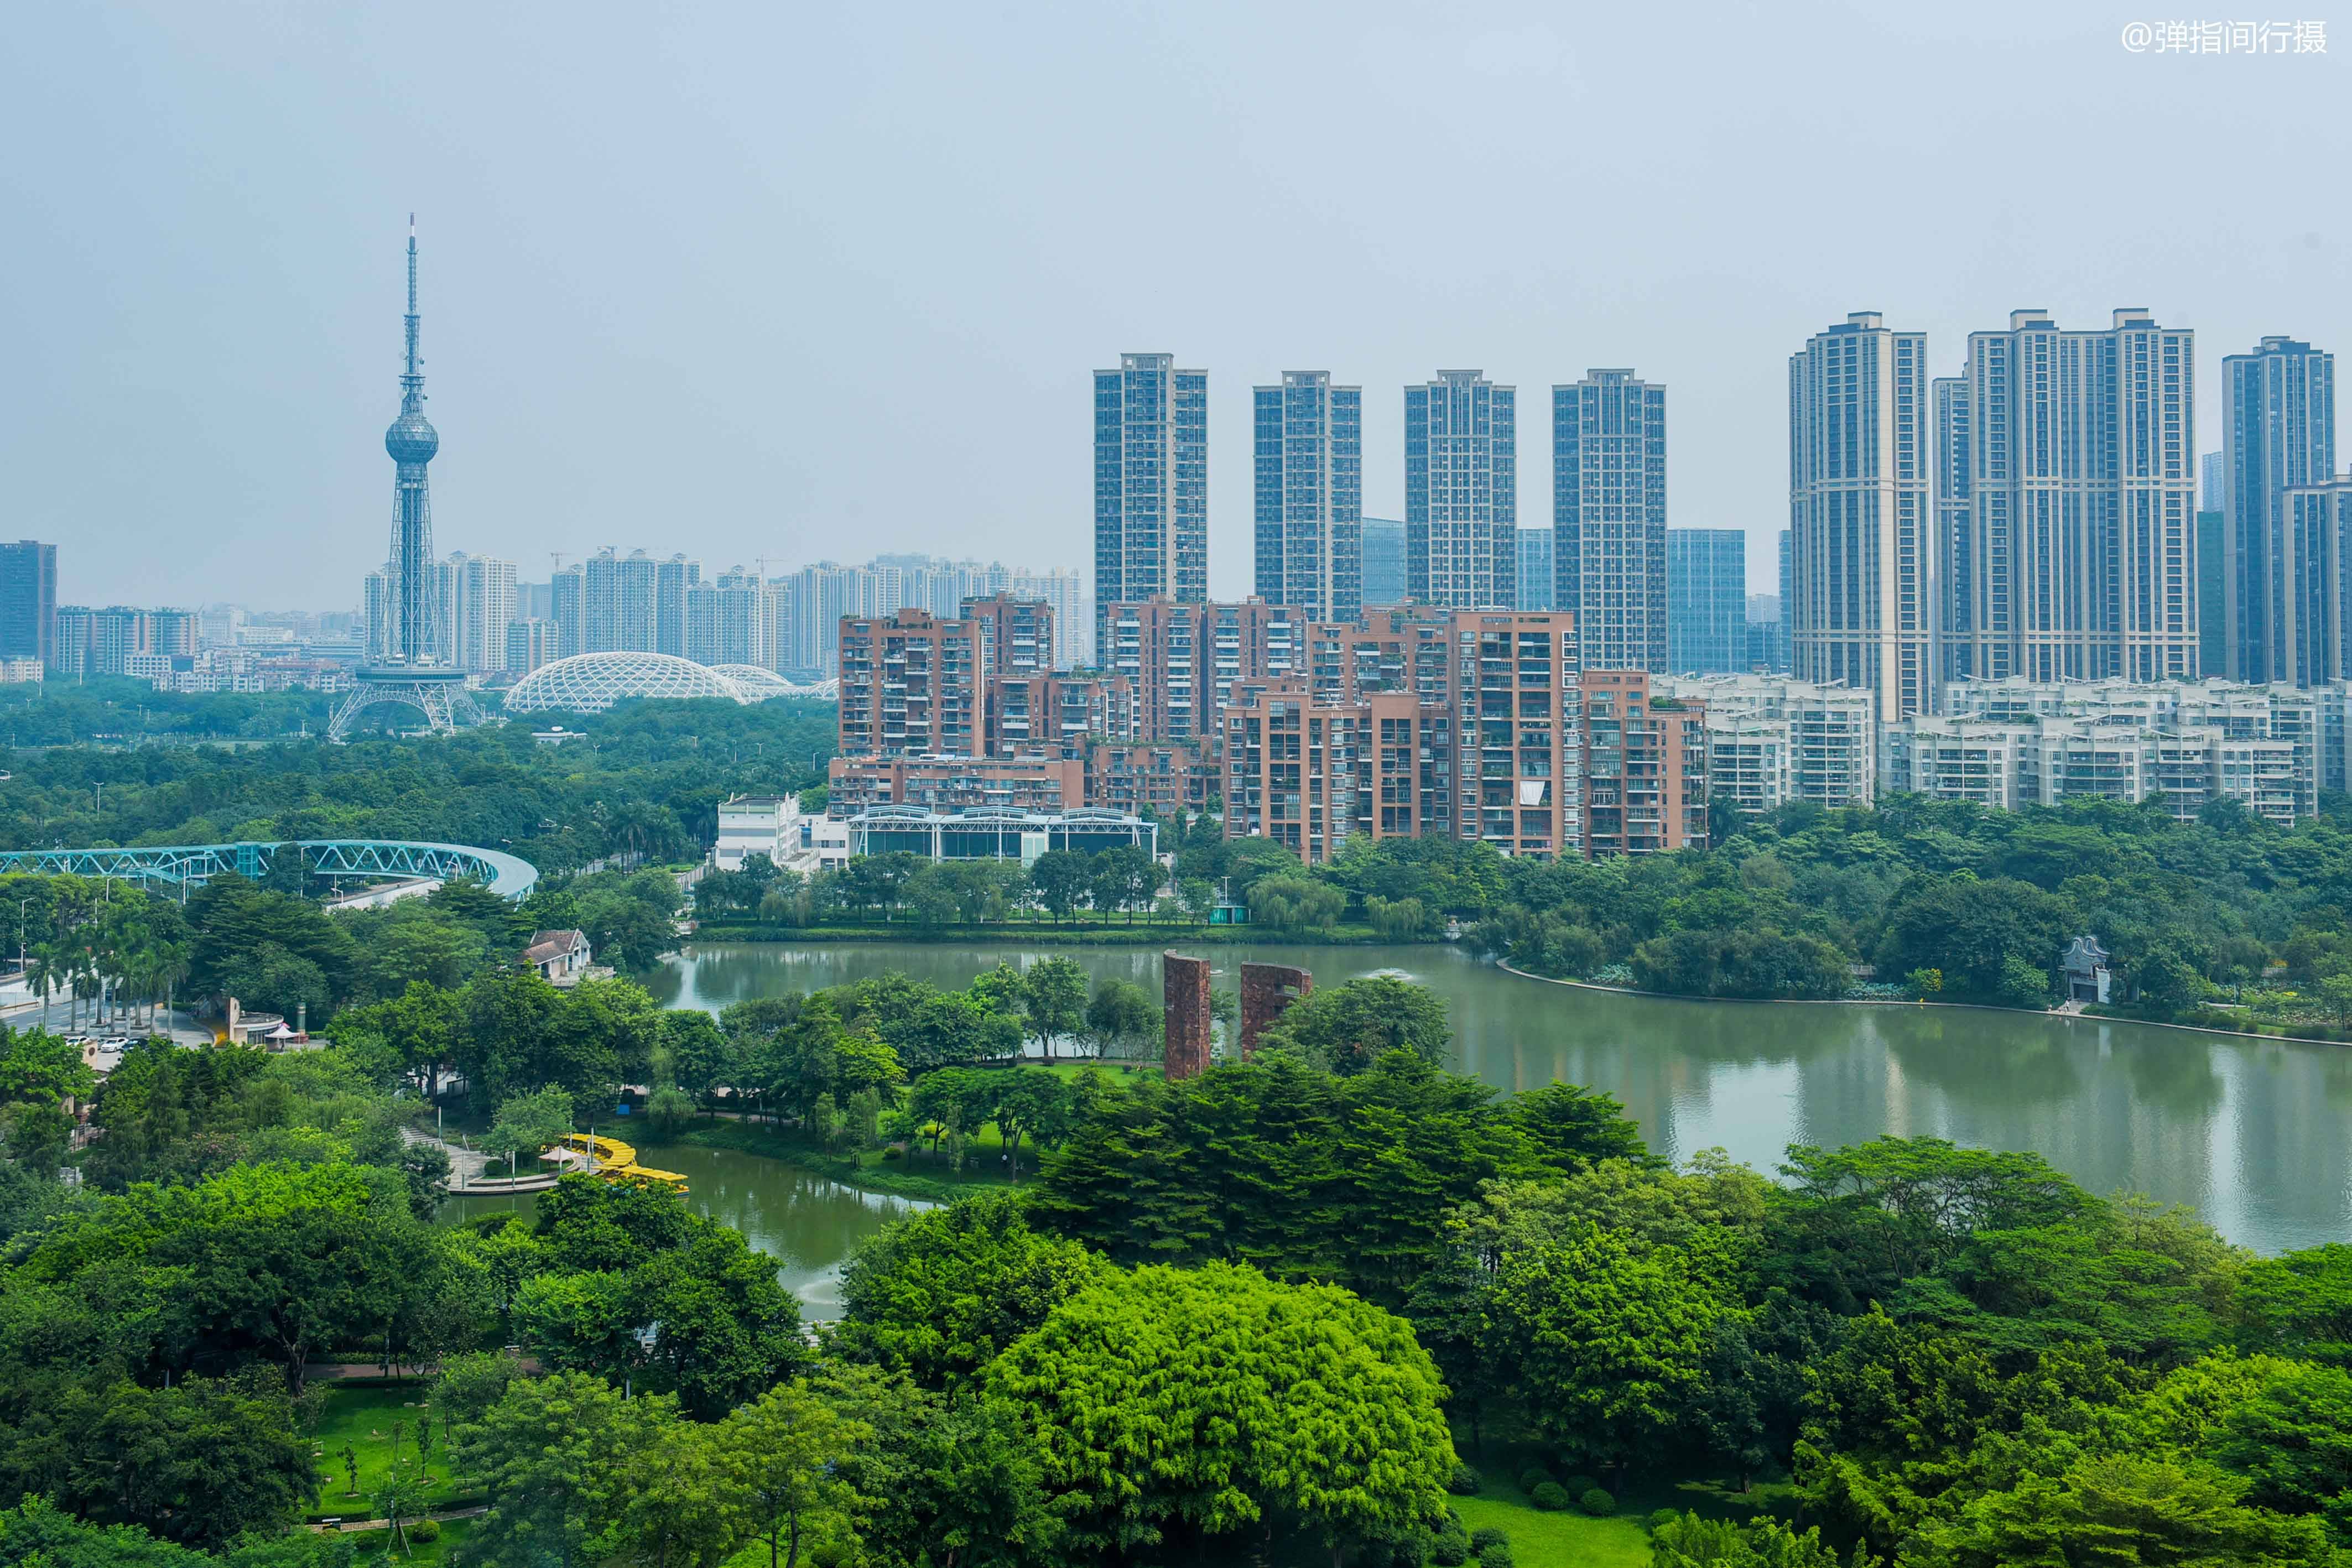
372,1543
359,1414
1570,1539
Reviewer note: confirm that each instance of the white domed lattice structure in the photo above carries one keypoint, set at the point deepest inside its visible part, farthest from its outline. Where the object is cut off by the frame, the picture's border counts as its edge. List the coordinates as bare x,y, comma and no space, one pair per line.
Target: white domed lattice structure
591,683
759,685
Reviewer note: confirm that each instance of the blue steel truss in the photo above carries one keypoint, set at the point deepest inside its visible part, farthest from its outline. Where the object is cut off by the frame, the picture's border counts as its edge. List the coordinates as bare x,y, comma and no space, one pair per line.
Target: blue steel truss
510,876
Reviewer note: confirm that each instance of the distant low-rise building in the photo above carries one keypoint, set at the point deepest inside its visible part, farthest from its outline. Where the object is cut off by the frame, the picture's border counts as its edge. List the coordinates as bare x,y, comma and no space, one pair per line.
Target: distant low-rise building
560,958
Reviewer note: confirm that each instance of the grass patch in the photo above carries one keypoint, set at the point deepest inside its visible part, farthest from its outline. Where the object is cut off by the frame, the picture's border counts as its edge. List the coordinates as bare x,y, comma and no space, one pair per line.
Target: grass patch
1572,1539
1541,1540
361,1417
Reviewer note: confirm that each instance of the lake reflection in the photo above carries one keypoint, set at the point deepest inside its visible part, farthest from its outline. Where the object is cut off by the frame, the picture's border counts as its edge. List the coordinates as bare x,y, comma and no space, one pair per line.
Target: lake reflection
2252,1132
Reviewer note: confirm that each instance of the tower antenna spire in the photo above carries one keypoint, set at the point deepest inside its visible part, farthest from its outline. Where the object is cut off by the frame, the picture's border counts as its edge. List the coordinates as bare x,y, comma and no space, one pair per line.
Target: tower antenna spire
412,379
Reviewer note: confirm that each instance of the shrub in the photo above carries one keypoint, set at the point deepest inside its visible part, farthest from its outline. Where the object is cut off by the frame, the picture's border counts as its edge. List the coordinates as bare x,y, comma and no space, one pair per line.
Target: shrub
1596,1502
1533,1477
1551,1497
421,1529
893,1151
1496,1556
1485,1536
1464,1481
1577,1486
1663,1516
1449,1548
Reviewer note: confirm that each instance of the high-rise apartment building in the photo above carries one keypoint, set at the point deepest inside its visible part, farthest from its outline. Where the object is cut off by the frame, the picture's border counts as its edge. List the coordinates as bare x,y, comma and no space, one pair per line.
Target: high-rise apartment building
1454,723
1383,562
2278,434
1017,634
1184,660
2212,586
2081,508
1955,560
567,593
2310,636
1861,590
1310,495
673,580
1537,568
726,620
911,684
1706,601
1151,481
1609,517
1644,767
474,600
1462,492
531,643
1767,645
28,600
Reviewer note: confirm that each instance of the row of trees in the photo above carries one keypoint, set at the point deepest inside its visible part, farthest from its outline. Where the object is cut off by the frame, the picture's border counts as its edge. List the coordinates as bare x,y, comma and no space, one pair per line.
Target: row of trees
642,779
1942,899
906,889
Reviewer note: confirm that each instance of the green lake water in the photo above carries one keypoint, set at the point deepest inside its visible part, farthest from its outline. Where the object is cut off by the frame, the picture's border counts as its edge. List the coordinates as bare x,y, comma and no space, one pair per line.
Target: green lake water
2254,1133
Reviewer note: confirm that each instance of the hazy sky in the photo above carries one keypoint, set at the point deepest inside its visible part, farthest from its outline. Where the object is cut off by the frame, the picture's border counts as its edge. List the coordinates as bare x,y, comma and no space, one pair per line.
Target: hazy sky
808,282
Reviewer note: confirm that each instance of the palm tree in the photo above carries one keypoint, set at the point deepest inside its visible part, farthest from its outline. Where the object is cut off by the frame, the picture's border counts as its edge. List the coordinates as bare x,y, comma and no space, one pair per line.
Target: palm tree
45,974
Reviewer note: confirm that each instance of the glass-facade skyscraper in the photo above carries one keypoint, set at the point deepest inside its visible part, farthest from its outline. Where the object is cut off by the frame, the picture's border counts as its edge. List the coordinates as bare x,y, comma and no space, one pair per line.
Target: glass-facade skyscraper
1151,481
1462,492
1536,567
1383,560
2278,433
1706,601
1609,517
1860,583
1310,495
28,600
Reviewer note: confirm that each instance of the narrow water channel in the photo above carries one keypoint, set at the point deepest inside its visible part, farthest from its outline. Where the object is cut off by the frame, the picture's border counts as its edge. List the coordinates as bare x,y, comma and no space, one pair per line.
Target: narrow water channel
808,1224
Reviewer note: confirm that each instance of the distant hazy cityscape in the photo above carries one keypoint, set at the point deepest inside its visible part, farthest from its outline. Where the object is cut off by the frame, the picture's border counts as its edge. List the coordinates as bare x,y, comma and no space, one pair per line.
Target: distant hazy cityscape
2004,585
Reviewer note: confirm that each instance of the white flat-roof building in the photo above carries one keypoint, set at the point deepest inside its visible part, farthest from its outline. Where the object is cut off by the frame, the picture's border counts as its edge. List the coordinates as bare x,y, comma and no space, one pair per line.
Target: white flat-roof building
1774,738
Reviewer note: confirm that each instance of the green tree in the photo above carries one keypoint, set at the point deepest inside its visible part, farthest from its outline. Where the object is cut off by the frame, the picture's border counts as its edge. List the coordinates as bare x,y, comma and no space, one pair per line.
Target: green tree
557,1455
536,1121
1059,878
200,1463
938,1295
2121,1509
1122,1019
1609,1345
781,1453
1053,993
1271,1409
1347,1028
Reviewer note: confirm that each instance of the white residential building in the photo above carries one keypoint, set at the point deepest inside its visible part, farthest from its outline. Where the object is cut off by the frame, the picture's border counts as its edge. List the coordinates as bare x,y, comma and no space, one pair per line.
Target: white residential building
1774,738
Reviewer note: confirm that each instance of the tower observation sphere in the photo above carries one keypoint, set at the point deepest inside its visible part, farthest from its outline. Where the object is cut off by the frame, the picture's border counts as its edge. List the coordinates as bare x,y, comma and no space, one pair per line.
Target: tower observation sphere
411,439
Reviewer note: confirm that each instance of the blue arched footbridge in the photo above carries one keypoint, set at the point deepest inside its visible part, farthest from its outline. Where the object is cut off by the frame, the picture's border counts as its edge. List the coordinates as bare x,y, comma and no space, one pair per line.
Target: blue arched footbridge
181,865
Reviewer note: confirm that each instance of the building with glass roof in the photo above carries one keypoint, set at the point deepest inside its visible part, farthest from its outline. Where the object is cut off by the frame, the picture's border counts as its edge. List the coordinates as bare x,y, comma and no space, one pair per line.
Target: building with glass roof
994,833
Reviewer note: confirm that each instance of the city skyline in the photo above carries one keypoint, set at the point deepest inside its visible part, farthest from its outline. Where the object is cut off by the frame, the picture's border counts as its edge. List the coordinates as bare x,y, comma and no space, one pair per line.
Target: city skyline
660,252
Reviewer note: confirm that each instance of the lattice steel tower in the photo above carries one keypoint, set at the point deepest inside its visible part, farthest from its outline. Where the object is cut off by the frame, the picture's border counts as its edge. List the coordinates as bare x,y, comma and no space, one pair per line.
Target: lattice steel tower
414,670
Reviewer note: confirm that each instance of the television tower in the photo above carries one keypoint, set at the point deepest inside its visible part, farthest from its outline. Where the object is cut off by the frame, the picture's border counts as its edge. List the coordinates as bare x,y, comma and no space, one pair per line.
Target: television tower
414,670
